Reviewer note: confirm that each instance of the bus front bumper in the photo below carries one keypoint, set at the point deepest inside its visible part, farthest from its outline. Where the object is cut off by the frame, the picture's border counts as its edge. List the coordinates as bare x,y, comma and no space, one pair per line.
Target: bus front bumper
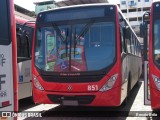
109,98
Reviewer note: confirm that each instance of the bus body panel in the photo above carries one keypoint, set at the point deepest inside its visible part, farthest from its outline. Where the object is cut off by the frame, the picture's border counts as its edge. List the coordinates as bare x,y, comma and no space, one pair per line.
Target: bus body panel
25,77
131,69
135,69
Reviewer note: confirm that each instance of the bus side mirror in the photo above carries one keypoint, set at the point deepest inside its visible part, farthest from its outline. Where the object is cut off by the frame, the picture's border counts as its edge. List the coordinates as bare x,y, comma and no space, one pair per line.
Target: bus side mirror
142,30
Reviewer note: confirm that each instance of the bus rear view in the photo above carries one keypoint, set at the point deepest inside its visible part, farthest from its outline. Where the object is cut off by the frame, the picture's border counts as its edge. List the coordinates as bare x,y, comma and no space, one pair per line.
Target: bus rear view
77,57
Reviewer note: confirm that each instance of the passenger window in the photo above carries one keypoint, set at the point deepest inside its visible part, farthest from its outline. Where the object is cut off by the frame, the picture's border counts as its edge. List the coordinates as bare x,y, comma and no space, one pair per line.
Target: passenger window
129,42
123,44
22,46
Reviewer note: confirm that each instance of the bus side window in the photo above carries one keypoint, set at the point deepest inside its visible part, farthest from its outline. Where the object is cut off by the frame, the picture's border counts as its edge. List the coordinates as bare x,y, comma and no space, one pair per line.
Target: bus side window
22,46
122,33
28,31
18,46
123,45
128,38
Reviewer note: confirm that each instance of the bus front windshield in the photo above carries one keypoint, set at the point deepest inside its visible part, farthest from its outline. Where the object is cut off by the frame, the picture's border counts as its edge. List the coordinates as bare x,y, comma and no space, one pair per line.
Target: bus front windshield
76,47
156,45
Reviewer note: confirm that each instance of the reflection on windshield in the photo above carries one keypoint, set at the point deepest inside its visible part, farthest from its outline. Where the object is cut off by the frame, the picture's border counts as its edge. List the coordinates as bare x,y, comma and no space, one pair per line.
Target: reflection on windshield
157,41
80,47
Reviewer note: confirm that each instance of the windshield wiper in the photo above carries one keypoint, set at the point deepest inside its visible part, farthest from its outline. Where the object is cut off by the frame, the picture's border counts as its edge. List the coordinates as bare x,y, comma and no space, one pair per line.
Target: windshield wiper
83,31
61,36
66,41
58,31
75,42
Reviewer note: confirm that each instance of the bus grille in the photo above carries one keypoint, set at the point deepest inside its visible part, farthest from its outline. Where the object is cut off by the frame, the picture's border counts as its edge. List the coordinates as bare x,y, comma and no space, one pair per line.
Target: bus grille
82,99
77,79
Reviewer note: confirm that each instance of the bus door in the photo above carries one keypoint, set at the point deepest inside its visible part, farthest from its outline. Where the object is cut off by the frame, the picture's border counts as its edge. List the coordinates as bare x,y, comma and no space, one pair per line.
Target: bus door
8,60
144,30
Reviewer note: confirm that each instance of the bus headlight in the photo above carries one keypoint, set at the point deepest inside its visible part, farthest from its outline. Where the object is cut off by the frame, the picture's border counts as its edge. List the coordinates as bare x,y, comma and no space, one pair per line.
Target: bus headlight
37,84
156,81
109,84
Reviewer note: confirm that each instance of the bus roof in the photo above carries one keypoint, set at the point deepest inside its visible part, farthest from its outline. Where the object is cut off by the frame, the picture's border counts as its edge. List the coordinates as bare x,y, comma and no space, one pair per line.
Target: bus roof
62,3
81,5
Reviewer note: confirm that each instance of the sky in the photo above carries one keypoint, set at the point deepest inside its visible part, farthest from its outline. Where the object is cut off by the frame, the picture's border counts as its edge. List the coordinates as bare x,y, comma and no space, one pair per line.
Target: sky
28,4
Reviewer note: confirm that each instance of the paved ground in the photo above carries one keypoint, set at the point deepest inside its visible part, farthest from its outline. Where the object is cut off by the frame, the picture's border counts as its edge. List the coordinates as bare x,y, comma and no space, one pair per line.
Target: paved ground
135,105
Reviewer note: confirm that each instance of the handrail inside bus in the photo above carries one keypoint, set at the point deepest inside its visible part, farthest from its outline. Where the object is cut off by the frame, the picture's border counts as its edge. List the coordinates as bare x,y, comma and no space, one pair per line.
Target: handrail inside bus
29,22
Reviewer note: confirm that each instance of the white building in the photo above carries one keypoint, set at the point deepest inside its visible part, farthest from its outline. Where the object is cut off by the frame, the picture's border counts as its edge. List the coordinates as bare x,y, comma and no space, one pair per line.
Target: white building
133,11
42,5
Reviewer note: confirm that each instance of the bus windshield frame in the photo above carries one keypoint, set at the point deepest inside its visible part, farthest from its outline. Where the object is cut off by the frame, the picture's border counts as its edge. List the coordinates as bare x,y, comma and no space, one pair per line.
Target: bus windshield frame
72,31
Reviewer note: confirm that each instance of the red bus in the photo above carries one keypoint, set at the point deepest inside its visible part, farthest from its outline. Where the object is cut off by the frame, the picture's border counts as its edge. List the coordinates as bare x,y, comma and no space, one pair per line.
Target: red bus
25,30
8,58
84,55
154,55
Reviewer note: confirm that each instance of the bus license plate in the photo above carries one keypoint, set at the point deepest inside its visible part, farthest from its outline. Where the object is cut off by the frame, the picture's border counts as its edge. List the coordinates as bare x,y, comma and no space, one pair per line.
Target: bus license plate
70,102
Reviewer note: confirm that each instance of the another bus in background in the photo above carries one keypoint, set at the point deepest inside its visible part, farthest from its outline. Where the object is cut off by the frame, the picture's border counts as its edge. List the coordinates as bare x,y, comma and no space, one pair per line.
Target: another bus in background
25,30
